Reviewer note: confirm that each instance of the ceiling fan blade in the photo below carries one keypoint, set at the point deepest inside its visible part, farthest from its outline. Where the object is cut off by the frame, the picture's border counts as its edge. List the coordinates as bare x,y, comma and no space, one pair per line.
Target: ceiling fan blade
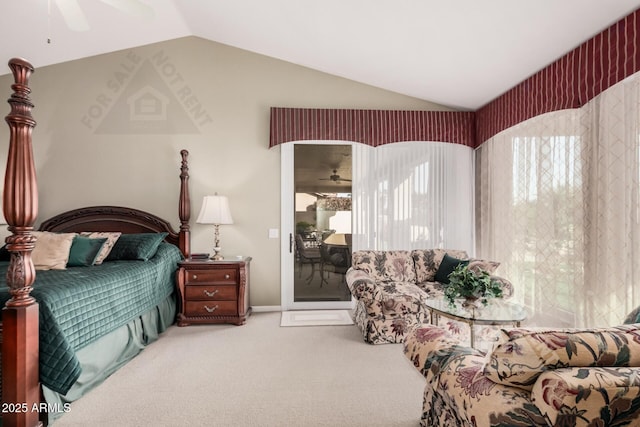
335,178
73,16
131,7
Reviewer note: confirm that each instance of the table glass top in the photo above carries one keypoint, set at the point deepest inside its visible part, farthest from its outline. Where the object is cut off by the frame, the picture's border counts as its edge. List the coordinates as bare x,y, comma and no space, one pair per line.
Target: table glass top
497,310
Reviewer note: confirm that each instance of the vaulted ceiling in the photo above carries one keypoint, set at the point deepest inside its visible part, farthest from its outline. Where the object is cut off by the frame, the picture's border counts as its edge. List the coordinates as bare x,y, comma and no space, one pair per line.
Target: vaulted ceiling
458,53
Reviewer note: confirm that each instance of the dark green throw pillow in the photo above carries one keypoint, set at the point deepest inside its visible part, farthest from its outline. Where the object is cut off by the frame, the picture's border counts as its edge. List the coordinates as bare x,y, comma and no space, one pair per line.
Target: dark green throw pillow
84,251
447,266
5,255
140,246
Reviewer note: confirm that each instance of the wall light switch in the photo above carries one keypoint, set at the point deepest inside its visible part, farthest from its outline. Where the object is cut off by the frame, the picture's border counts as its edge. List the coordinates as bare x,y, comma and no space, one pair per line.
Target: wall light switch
273,233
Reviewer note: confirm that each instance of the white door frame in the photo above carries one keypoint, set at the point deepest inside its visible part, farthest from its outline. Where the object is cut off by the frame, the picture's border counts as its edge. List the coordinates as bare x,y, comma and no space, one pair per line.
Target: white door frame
287,225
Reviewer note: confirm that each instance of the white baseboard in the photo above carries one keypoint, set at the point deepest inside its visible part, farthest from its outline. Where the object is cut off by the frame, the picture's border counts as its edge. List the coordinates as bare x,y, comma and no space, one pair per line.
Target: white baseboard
265,308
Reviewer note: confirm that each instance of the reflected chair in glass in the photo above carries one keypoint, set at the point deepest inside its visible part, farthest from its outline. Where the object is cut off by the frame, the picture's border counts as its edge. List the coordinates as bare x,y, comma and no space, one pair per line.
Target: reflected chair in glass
307,253
335,255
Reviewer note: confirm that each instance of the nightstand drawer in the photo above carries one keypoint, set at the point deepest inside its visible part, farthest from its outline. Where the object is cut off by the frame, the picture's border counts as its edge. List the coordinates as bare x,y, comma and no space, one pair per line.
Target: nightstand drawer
210,292
221,275
211,308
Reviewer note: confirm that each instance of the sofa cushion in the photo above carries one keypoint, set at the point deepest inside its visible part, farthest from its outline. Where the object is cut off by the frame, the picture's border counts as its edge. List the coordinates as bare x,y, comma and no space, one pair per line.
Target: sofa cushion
394,295
385,266
427,262
520,355
432,289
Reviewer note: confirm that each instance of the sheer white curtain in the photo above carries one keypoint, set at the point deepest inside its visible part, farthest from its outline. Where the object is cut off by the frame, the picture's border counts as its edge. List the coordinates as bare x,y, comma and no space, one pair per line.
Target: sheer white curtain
557,205
612,251
413,195
529,215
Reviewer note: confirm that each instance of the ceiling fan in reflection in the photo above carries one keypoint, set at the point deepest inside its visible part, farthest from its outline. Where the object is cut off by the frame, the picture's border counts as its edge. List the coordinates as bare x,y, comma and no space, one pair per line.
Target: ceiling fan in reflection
335,178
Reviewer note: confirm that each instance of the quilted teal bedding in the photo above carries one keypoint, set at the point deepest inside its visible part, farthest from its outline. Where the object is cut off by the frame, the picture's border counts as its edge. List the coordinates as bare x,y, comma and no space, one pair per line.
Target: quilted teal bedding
81,304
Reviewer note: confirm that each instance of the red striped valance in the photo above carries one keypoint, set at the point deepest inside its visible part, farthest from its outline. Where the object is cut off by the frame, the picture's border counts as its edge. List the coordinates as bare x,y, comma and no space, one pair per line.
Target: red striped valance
371,127
569,82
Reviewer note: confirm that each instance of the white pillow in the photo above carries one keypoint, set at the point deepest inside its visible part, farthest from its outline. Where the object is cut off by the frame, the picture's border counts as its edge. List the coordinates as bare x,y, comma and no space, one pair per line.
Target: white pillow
51,251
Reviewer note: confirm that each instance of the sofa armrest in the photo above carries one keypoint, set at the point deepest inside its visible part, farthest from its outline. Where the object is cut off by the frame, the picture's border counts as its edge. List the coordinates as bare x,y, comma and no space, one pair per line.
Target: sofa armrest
609,395
389,294
359,283
507,286
431,349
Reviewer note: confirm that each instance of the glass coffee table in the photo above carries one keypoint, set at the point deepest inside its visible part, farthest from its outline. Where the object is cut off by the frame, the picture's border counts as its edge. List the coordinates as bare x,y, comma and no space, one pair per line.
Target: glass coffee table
496,312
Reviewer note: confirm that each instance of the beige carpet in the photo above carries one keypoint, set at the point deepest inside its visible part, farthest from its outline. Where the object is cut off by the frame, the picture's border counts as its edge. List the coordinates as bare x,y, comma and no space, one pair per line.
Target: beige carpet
258,374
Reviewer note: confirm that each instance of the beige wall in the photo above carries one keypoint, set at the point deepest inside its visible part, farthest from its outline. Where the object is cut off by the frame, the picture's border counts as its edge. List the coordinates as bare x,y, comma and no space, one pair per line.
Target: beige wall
87,153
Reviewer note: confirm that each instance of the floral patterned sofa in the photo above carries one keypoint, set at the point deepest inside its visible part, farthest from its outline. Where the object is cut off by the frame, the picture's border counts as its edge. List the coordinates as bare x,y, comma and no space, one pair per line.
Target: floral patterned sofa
390,288
531,377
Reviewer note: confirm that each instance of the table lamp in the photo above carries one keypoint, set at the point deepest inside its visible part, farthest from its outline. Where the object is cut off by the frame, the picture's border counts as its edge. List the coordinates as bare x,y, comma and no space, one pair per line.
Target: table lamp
338,239
215,210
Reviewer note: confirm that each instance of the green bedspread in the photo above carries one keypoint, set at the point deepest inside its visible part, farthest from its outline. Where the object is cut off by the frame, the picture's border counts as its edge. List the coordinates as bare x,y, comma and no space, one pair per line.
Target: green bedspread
81,304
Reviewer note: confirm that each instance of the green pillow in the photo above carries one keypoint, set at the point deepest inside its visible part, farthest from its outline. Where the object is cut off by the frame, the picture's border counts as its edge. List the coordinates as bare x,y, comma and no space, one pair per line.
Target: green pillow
84,251
447,266
139,246
5,255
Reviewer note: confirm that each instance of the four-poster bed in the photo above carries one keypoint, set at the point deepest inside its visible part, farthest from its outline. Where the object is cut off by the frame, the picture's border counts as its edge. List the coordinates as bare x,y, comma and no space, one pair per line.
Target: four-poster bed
48,337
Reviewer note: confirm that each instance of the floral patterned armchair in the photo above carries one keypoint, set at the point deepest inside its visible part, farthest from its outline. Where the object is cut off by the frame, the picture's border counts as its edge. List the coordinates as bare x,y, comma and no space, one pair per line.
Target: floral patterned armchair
390,288
532,377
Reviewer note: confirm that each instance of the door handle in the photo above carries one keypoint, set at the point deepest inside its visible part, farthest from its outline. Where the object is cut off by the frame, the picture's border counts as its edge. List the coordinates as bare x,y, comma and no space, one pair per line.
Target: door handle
290,242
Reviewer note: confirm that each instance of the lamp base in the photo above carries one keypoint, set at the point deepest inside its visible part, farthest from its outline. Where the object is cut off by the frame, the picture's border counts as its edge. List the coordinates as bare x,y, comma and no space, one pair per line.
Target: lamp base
216,254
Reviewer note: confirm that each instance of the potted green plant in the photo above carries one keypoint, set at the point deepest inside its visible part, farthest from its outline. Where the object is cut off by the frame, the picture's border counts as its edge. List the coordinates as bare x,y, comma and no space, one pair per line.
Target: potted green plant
304,227
472,286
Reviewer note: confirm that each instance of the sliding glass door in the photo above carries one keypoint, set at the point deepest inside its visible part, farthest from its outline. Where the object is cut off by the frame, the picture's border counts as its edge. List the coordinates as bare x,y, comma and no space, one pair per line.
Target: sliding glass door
316,224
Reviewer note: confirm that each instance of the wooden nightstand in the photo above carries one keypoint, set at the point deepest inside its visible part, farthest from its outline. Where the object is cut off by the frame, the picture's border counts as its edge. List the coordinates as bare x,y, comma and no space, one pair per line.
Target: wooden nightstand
213,291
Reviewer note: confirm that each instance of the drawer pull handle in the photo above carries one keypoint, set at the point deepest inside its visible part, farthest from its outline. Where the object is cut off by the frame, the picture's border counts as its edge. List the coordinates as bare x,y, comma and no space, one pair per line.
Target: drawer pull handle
210,294
195,277
211,309
226,276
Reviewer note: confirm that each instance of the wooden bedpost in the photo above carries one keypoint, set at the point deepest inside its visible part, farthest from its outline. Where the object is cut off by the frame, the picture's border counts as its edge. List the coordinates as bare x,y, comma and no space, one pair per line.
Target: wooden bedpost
184,207
20,379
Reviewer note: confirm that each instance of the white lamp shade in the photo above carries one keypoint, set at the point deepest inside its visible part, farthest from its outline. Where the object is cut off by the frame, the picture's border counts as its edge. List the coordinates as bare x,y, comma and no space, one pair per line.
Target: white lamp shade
215,210
338,239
